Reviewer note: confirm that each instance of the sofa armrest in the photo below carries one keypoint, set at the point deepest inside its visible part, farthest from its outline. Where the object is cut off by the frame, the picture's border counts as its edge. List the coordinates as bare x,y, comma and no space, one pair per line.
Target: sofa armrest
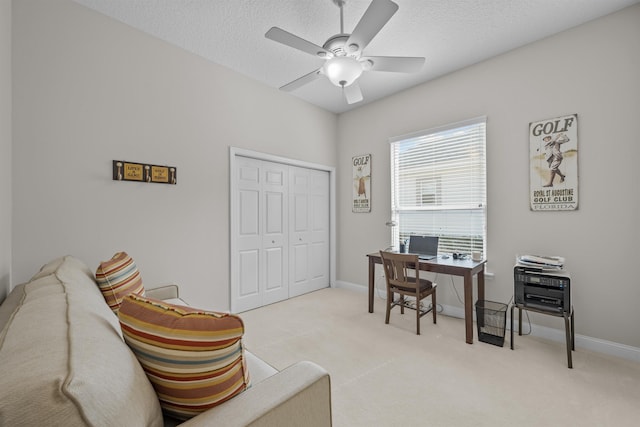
163,292
299,395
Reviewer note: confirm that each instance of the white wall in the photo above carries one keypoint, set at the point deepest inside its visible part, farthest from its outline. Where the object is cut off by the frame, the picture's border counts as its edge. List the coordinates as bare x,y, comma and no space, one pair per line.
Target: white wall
592,70
5,147
88,90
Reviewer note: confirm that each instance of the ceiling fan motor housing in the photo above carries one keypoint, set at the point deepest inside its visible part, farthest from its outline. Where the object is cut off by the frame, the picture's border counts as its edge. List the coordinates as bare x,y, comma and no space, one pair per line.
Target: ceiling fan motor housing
337,45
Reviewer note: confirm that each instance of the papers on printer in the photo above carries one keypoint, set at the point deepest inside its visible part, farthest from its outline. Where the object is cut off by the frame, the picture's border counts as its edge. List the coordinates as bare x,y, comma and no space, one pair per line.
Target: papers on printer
540,261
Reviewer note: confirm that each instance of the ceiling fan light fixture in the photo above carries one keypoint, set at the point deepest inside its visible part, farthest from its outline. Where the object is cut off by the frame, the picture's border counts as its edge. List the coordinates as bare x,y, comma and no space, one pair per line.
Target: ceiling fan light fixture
342,71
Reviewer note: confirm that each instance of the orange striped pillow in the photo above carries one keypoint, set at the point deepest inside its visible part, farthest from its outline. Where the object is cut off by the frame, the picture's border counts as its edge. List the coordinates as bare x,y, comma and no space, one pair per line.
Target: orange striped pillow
118,278
194,358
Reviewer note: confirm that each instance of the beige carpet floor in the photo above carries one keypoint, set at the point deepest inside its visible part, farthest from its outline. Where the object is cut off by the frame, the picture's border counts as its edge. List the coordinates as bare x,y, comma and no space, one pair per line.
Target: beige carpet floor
386,375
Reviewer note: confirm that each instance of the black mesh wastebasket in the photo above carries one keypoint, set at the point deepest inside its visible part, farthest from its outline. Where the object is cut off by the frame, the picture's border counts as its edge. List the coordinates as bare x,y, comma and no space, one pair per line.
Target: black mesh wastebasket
491,318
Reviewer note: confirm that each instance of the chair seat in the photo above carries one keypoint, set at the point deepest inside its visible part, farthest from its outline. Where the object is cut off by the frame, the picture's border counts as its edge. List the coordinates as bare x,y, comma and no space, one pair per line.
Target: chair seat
425,285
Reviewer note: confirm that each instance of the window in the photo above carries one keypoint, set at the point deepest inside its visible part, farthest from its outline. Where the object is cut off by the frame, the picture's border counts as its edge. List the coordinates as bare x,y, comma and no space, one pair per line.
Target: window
438,185
428,191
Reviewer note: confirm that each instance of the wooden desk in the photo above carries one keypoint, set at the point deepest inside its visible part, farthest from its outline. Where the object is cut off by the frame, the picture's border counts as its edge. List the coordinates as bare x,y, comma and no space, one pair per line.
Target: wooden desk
463,268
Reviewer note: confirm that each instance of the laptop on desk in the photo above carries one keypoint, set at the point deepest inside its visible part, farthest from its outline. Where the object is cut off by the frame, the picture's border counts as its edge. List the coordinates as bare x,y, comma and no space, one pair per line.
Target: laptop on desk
426,247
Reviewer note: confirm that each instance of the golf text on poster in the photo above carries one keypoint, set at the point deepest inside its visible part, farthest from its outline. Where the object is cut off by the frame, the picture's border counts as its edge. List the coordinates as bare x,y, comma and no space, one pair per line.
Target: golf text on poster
361,183
553,164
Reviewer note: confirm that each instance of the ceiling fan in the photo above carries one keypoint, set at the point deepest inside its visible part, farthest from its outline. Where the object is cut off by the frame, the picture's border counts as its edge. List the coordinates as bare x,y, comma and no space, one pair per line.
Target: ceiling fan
344,52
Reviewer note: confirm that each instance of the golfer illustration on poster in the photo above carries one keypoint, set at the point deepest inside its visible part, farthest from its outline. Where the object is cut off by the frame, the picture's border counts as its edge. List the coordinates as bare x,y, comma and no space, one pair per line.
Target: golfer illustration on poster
361,183
554,164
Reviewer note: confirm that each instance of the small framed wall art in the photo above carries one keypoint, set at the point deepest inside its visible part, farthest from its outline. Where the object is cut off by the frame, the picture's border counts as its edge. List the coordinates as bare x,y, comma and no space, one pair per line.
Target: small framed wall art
143,172
361,183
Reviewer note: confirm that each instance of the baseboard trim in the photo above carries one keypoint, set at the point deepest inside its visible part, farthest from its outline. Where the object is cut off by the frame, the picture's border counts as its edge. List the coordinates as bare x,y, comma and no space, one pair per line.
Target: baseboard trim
582,341
350,286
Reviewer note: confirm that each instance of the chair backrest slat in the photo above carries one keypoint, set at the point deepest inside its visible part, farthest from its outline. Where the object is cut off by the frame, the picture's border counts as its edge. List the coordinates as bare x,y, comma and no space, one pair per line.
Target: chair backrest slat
396,267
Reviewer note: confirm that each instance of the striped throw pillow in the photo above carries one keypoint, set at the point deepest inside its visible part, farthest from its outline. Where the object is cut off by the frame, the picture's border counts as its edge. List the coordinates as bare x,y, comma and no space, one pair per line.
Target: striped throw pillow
194,358
118,278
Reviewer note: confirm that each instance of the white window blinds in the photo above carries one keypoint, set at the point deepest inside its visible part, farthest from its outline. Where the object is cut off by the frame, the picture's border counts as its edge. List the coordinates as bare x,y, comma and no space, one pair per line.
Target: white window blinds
438,185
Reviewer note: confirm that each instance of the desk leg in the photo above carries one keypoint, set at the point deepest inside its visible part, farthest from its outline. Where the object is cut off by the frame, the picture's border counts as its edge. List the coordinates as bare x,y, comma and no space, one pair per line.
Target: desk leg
512,313
573,333
468,307
468,302
481,285
519,321
567,333
372,276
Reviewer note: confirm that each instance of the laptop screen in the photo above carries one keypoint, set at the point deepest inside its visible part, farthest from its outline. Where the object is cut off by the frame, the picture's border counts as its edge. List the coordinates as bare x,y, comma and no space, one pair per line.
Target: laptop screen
423,245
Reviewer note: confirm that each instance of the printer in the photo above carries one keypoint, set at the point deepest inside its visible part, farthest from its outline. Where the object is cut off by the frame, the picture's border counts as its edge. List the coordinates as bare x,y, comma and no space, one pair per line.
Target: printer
546,290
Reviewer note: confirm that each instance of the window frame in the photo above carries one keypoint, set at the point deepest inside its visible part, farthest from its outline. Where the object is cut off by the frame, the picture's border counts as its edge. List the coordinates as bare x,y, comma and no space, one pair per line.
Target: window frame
475,209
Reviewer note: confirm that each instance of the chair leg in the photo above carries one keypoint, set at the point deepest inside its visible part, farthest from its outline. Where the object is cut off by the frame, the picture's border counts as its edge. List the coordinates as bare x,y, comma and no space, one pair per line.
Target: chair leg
434,306
389,301
401,304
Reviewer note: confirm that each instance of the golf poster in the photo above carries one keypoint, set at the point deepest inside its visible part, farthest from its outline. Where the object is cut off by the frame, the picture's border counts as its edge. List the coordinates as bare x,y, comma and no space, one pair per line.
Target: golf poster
553,164
361,183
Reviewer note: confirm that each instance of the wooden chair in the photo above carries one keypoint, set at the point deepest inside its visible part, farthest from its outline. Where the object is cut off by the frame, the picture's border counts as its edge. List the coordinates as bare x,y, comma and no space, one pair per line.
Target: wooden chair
396,267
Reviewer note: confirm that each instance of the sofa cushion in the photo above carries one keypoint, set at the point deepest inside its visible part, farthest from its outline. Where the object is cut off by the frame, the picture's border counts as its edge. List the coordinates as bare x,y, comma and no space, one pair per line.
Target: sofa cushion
193,358
118,278
63,358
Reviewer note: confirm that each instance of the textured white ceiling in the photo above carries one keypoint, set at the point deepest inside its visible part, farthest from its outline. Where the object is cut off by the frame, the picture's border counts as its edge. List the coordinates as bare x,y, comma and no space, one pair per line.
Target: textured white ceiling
450,34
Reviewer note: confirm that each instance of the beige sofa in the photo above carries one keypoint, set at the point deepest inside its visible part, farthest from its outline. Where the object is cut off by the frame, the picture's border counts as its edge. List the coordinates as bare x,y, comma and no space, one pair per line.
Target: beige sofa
63,362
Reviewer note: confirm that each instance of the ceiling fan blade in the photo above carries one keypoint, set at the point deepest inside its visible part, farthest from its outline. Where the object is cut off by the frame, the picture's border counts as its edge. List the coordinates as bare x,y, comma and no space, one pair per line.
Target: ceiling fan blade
375,17
281,36
352,93
297,83
398,64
